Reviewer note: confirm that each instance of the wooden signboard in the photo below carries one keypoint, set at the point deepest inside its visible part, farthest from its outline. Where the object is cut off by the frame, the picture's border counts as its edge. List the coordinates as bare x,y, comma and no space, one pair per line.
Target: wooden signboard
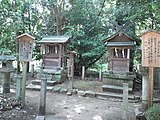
25,47
25,50
151,58
25,42
151,49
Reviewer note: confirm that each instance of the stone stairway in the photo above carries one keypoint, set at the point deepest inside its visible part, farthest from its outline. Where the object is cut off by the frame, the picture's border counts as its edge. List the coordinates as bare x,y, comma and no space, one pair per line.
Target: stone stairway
36,85
115,91
52,77
113,86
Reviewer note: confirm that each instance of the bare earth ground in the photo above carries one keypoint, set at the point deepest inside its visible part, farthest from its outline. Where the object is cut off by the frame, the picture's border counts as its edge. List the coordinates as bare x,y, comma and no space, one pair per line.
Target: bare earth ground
62,107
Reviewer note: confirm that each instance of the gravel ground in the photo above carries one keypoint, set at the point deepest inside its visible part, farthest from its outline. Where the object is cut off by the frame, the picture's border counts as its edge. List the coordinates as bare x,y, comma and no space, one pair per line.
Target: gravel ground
63,107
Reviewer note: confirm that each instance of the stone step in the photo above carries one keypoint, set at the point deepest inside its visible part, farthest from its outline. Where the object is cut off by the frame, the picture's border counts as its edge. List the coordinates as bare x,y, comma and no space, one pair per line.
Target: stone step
139,114
38,82
40,118
114,88
37,87
116,95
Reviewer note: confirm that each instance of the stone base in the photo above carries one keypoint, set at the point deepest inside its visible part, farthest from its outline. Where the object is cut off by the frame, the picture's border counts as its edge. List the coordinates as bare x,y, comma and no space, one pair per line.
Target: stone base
139,114
40,118
118,79
114,88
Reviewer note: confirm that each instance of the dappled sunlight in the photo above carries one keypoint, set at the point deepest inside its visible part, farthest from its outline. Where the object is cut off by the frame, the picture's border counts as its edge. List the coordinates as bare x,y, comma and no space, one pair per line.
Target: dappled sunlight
97,117
78,108
68,117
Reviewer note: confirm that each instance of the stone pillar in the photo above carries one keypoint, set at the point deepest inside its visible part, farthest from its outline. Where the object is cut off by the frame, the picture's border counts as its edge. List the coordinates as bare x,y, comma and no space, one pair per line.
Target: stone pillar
125,101
159,79
144,92
83,72
100,74
145,86
6,82
60,55
128,54
18,87
42,107
32,70
71,69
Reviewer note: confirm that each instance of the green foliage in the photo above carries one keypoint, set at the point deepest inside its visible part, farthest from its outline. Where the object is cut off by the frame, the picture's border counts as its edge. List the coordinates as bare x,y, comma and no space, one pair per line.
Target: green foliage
144,14
88,21
88,27
153,113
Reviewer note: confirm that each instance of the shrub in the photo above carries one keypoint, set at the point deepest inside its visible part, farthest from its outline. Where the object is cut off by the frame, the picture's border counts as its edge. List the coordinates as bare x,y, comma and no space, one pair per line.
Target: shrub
153,113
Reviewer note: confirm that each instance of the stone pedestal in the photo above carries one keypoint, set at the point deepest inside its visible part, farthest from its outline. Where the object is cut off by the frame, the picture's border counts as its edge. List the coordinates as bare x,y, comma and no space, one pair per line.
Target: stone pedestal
144,92
19,87
145,79
6,80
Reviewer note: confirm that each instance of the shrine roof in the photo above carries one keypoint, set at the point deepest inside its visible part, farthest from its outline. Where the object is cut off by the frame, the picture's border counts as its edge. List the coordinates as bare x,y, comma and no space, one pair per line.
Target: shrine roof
25,34
55,39
120,33
149,31
7,57
117,44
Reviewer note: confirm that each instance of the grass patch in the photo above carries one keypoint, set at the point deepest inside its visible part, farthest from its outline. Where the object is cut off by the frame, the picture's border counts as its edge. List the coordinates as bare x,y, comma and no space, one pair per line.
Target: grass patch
84,85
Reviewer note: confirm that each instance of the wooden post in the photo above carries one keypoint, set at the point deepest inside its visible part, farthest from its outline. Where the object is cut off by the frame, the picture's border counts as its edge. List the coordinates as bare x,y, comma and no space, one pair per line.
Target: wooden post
100,74
145,92
18,87
24,76
150,89
125,101
6,82
60,55
150,58
128,53
71,69
71,83
71,72
42,107
83,72
158,78
32,70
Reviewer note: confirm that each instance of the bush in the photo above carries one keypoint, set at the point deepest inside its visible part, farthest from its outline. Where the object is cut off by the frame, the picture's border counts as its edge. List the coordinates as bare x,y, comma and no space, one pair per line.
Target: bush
153,113
92,74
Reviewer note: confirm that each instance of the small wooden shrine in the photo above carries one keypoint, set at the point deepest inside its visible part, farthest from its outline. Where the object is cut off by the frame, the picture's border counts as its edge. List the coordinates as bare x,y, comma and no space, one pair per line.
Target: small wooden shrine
53,49
119,48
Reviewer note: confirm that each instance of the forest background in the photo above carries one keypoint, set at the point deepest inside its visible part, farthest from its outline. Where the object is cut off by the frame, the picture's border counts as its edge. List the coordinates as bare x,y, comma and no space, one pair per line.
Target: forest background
89,22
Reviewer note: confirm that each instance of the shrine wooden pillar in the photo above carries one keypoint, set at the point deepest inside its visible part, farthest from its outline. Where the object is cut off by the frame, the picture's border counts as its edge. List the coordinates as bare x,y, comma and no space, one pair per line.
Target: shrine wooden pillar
60,55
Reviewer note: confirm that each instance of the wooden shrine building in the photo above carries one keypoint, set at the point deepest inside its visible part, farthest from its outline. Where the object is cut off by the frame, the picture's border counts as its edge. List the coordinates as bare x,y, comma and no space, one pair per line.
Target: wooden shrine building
53,49
120,45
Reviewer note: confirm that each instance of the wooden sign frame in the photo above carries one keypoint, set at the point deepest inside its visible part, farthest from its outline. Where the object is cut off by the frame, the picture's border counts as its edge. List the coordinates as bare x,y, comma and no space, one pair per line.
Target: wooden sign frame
25,42
151,58
151,49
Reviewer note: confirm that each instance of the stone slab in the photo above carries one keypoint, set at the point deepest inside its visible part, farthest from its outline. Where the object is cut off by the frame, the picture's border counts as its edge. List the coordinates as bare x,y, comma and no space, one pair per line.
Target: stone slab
114,88
37,87
81,93
40,118
139,114
90,93
116,95
49,83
